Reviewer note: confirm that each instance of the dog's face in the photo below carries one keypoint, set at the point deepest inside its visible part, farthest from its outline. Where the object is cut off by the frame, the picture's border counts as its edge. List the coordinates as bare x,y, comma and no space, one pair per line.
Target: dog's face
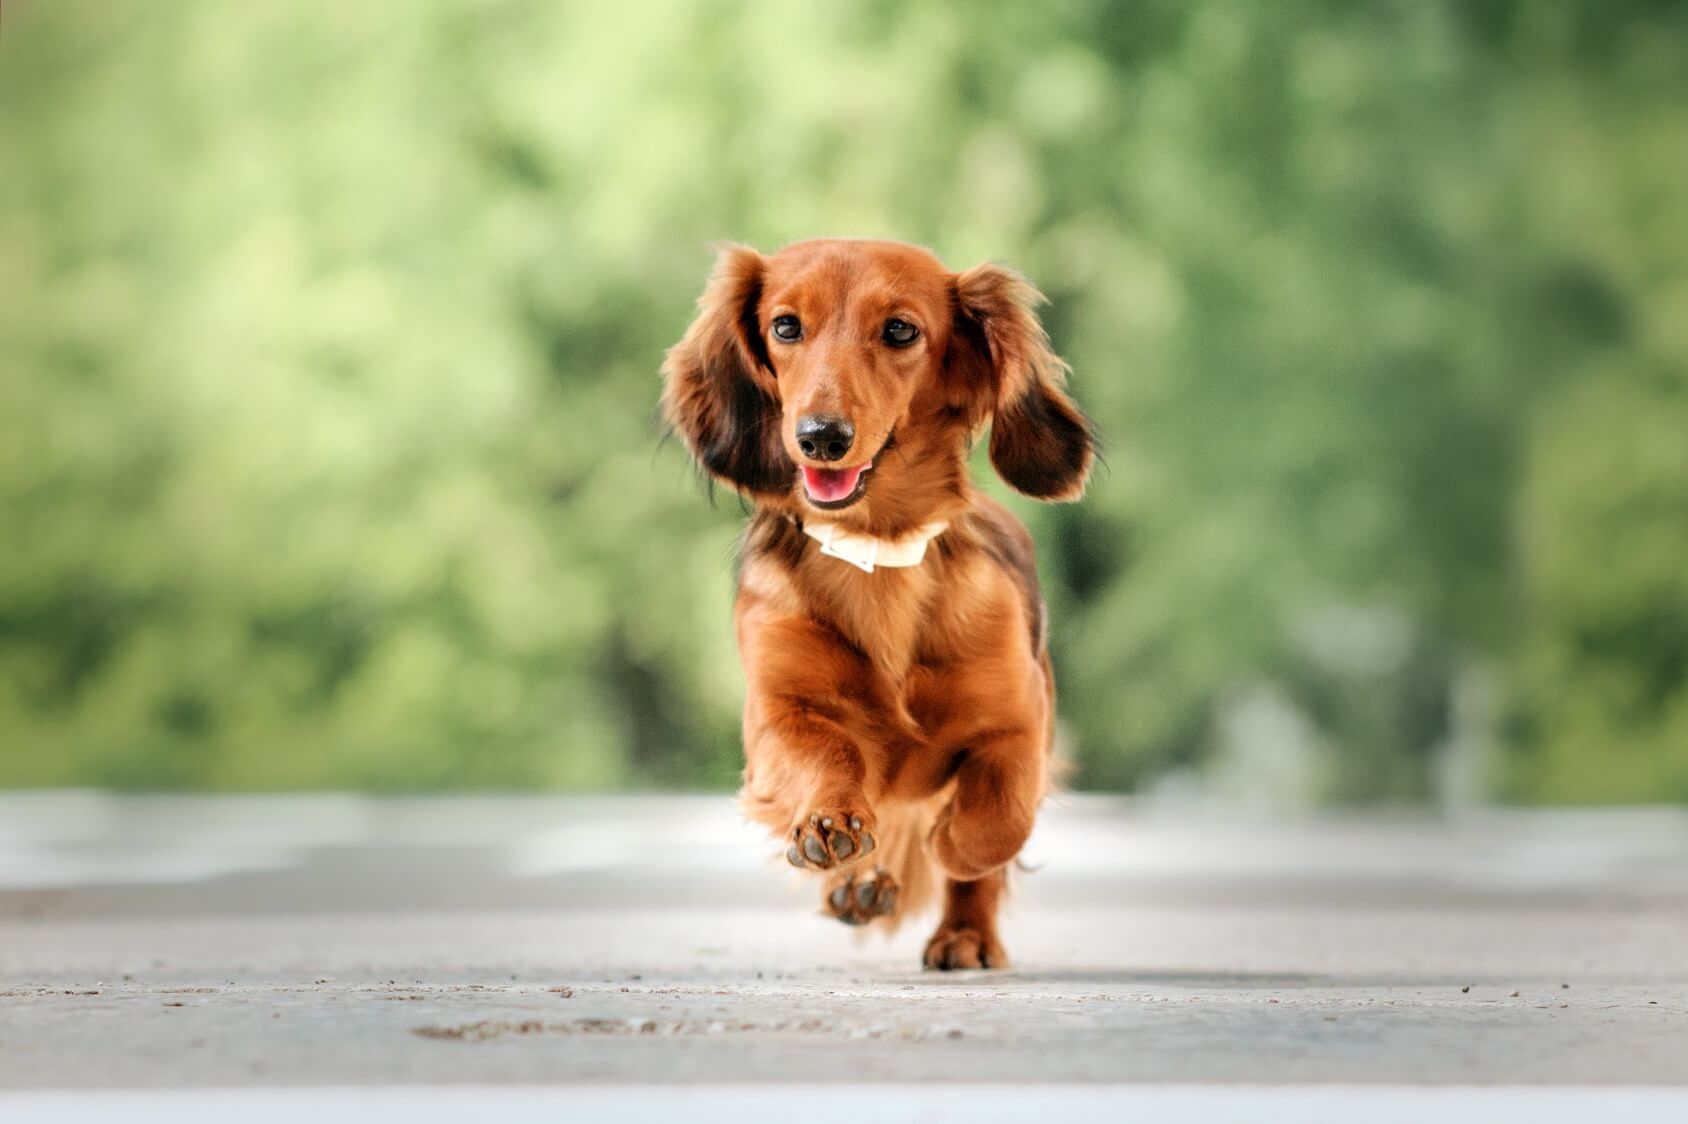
836,374
853,333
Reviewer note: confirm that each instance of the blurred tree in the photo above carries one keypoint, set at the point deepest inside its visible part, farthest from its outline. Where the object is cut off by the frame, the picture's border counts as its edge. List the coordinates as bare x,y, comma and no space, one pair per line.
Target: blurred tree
329,336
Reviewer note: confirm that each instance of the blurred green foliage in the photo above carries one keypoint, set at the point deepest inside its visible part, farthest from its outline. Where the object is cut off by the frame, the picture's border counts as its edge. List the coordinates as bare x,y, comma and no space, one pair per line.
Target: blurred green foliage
329,336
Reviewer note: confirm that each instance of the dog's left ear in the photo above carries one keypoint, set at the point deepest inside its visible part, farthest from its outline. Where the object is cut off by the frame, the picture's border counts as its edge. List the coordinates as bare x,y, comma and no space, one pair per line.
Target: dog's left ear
1001,364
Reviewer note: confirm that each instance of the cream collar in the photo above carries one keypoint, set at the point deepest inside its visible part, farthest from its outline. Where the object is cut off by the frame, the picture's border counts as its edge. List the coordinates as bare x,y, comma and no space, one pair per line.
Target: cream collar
866,552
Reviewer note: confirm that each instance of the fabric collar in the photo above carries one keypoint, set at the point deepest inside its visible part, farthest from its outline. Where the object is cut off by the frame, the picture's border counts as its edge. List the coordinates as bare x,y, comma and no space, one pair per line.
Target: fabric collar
867,552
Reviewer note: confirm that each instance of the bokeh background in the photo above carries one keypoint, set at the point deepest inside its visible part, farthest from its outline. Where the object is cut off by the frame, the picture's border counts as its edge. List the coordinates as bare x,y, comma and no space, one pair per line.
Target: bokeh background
329,336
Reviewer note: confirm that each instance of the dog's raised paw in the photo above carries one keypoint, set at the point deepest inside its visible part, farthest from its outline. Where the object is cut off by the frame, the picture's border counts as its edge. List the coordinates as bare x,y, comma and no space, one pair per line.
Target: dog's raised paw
828,839
953,949
859,899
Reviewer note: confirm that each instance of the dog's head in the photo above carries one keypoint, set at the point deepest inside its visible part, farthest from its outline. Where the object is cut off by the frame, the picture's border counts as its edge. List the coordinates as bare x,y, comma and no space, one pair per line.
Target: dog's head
842,374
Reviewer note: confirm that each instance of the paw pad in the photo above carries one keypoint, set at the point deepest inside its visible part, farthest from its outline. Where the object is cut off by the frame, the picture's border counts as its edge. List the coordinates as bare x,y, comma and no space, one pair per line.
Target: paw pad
856,901
824,841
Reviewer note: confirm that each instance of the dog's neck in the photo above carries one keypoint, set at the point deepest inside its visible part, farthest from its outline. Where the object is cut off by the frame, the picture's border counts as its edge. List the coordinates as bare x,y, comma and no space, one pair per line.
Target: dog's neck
871,552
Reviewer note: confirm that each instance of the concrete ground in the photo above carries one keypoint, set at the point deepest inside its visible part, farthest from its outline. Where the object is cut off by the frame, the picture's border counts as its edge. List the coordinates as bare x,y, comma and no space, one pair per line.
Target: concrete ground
184,950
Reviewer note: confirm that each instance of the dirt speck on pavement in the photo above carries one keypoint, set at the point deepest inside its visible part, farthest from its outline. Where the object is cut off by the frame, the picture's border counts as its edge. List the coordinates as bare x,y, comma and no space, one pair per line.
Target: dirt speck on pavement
486,1030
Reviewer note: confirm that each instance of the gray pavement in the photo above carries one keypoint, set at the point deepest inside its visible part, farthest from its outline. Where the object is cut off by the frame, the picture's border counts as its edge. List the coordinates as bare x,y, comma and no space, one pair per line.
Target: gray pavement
197,948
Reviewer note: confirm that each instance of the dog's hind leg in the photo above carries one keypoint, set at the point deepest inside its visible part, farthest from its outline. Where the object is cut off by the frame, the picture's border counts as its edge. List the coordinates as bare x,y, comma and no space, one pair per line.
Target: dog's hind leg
966,937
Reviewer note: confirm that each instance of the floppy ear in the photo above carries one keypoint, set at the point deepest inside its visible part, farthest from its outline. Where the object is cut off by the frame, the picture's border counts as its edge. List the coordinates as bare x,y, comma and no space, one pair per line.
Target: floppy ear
718,383
1040,444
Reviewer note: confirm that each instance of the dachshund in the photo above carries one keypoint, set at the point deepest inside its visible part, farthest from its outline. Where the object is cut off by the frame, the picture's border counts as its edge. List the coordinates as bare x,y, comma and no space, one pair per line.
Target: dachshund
899,717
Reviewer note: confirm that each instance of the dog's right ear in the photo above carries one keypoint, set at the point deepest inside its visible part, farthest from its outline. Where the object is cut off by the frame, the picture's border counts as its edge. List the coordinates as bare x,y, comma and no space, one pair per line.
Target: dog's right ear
719,391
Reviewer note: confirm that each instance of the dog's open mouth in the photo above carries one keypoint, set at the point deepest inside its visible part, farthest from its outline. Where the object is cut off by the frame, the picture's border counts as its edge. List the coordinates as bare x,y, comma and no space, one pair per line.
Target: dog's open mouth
833,488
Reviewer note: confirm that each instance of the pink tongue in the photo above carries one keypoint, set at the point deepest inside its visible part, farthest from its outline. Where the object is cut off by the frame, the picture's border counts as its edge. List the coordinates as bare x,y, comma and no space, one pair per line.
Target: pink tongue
829,484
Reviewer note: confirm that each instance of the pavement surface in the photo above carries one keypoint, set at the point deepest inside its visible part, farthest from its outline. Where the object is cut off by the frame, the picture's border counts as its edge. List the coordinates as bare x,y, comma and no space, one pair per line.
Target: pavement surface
396,956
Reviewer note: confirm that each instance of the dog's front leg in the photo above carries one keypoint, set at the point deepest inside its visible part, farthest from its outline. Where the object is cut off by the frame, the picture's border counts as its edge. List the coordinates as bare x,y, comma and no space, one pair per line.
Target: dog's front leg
803,738
987,821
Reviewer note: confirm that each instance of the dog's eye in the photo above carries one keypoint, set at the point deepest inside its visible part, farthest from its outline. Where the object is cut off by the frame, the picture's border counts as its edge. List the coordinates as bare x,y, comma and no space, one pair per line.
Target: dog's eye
787,328
899,333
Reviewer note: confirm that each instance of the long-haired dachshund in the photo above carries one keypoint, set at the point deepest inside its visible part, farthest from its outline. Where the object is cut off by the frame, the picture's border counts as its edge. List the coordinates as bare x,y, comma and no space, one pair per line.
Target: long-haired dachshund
900,715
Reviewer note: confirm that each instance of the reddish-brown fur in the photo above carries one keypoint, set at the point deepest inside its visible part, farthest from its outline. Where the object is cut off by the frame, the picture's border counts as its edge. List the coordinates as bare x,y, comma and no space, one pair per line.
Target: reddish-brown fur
911,706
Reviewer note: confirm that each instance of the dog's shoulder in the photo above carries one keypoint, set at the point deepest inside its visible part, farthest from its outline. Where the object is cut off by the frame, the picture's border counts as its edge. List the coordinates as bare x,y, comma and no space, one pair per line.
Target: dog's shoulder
765,566
1005,539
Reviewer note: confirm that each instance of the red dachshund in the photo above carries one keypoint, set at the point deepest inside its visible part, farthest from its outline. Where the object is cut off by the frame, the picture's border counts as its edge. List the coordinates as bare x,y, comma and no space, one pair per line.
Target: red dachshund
900,714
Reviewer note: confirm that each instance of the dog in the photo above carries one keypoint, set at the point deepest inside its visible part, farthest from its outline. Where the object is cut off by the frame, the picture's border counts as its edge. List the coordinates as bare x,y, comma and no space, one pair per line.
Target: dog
899,718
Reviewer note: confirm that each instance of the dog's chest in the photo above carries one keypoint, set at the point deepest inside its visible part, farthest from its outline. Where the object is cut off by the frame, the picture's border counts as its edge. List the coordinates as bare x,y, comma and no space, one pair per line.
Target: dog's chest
887,615
910,622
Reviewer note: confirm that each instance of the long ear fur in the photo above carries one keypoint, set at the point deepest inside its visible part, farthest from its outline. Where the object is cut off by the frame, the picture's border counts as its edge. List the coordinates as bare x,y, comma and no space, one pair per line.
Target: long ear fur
718,384
1040,444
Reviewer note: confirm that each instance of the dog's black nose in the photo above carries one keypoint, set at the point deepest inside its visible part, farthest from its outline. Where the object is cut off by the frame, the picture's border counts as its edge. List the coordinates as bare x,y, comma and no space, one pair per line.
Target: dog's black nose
823,437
